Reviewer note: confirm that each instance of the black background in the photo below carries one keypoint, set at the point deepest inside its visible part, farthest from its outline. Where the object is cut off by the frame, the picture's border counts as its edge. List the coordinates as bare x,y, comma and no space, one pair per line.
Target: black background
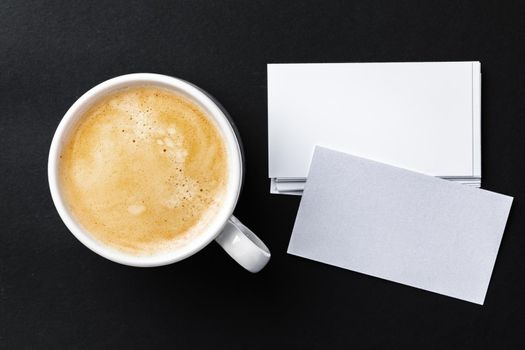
55,293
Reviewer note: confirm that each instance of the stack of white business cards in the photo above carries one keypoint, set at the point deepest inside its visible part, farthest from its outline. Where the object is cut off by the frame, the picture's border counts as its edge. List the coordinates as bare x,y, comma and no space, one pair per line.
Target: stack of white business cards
423,117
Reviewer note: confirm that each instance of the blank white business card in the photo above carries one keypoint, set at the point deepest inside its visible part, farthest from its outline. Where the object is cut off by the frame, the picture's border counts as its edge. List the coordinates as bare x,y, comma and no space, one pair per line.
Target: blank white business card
399,225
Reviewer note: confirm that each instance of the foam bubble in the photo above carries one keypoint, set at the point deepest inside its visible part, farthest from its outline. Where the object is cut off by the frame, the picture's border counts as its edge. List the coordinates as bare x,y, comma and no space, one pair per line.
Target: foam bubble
169,142
136,209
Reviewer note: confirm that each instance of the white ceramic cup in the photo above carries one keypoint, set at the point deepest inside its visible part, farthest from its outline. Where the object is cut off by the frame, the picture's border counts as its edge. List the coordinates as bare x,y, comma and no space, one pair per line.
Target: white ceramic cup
236,239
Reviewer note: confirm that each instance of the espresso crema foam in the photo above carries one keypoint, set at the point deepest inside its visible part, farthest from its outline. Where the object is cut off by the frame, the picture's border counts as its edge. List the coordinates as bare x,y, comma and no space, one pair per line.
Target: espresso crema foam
145,170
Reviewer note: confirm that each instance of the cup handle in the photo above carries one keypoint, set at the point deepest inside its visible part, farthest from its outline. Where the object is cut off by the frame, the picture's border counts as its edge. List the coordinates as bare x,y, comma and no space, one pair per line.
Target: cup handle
243,246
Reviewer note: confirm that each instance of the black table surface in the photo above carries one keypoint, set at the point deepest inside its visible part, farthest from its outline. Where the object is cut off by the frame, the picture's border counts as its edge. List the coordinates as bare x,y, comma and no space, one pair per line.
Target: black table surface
55,293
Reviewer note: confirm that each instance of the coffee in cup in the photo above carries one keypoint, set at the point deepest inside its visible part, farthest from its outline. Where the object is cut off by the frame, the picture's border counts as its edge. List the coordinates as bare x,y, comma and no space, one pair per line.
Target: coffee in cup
144,170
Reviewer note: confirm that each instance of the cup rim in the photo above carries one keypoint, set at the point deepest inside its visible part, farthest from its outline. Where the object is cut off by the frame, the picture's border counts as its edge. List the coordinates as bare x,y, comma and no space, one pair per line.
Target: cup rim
235,170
